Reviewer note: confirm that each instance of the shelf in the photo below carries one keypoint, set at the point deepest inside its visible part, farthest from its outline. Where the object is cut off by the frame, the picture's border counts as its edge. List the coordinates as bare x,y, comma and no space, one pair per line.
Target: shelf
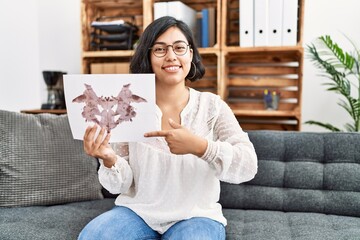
113,3
106,54
265,113
51,111
236,49
213,50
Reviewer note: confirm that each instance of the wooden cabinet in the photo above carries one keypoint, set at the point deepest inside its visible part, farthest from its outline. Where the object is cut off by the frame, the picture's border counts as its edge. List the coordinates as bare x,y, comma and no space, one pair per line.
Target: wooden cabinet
239,75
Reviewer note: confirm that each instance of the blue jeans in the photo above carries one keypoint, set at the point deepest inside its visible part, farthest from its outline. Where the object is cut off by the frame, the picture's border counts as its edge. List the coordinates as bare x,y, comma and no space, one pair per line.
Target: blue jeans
123,223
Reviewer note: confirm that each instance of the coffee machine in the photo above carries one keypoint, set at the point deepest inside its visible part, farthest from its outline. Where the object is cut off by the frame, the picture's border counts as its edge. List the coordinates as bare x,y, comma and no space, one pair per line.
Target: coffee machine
55,90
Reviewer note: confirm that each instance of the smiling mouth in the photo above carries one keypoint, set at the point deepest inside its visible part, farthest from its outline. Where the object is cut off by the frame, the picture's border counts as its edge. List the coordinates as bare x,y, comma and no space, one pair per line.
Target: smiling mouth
171,68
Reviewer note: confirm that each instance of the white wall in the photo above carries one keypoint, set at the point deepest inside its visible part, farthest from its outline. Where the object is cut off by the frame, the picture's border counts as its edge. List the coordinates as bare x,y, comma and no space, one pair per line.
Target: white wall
334,18
19,55
45,35
36,35
59,37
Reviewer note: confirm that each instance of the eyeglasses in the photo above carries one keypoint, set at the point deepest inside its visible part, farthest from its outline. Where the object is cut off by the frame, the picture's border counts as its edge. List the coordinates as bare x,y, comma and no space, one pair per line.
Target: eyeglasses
179,48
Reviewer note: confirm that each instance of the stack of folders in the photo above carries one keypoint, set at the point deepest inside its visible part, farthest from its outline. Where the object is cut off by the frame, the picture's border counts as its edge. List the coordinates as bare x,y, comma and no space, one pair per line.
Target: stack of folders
268,22
178,10
113,35
202,23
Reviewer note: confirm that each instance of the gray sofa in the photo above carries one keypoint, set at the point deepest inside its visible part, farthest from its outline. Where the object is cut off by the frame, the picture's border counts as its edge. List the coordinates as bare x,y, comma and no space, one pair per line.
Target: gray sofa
307,186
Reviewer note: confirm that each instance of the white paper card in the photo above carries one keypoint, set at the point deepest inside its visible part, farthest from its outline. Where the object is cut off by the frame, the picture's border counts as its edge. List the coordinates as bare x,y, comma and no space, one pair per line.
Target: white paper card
122,103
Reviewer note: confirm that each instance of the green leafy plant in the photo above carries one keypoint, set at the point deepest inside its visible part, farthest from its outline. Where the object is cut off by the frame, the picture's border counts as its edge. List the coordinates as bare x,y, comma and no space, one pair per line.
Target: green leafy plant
342,69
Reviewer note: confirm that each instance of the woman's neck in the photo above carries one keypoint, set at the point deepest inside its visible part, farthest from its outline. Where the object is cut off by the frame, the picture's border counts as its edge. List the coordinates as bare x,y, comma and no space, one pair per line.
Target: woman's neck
174,96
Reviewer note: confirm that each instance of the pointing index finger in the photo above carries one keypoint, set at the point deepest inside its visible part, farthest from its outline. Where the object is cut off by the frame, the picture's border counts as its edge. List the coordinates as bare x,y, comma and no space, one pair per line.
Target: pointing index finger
156,134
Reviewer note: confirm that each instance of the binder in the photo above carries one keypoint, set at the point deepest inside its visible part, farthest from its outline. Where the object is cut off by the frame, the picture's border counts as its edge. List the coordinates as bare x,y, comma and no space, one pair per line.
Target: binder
260,23
212,26
182,12
290,17
160,9
205,28
178,10
275,22
246,23
198,34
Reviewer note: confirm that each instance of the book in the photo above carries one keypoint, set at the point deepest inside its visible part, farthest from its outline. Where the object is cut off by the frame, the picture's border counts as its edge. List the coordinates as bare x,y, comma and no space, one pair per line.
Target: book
178,10
198,33
183,12
212,26
160,9
205,28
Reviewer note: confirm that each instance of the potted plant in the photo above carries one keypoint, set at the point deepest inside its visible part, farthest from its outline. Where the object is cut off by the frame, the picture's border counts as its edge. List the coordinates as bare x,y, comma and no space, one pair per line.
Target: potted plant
342,69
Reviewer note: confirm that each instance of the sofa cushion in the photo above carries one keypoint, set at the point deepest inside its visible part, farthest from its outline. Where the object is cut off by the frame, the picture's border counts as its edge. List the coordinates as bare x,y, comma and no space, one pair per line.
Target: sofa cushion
301,171
257,224
41,163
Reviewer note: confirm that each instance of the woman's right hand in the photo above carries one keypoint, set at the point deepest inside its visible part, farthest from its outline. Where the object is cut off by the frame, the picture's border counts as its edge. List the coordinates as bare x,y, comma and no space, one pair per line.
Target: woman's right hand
99,147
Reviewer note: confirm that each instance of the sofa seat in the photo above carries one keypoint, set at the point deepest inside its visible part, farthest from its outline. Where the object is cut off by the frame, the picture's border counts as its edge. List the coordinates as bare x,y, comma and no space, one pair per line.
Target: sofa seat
50,222
66,221
277,225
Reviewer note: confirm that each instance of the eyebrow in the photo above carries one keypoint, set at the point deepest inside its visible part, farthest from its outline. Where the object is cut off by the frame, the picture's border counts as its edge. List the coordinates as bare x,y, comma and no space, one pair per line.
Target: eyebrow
164,43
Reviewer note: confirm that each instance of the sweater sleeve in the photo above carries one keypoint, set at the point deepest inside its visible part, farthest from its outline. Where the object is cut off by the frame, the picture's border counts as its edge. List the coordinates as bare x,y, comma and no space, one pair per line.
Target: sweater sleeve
231,153
119,177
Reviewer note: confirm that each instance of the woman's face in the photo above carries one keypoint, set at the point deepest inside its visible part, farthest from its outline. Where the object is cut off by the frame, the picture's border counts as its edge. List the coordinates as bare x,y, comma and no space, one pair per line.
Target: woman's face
171,68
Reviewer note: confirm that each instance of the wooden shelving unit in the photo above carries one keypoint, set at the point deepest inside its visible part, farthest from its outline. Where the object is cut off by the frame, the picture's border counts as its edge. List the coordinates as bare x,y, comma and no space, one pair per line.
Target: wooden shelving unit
247,72
238,75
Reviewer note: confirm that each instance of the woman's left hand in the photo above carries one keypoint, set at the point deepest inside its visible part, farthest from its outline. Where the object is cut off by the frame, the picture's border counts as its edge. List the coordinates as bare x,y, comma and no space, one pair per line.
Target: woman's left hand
180,140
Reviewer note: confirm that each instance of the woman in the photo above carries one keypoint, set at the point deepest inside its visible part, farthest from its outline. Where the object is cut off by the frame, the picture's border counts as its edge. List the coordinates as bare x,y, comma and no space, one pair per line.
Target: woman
170,186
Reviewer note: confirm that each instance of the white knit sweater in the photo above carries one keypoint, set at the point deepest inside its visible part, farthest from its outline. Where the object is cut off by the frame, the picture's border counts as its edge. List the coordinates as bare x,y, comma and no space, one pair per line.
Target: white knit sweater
164,188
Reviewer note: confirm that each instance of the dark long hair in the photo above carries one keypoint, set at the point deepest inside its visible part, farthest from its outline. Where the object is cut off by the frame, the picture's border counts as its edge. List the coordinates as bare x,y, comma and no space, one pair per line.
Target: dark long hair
141,63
